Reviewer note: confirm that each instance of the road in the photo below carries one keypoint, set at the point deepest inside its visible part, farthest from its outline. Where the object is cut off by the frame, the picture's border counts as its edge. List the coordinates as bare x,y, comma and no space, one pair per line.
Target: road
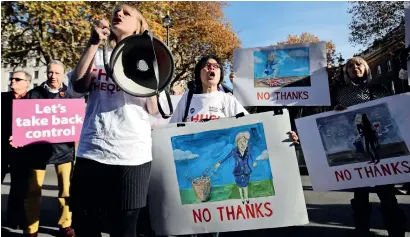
329,213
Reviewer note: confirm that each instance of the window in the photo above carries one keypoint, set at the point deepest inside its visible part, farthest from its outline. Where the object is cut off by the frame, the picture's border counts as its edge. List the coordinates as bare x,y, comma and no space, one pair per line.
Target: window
389,66
37,62
379,70
35,74
35,84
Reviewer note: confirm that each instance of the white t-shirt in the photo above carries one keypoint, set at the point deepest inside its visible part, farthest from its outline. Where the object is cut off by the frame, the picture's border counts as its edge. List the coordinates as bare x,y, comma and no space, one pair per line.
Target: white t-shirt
212,105
116,129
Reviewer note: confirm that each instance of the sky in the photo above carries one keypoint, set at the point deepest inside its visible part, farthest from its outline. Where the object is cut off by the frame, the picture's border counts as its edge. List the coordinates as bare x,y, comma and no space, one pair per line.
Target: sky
261,24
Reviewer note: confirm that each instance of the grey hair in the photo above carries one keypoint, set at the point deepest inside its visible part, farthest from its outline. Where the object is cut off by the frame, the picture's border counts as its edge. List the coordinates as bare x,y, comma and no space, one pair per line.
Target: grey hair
57,62
240,135
26,75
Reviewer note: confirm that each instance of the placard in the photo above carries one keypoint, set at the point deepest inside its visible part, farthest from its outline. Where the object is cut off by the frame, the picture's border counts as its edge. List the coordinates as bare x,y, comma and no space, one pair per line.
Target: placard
285,75
47,120
365,145
229,174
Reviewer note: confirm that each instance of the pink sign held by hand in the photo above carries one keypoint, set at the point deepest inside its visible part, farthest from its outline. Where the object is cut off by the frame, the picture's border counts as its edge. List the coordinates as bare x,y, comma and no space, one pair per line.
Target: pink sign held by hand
47,121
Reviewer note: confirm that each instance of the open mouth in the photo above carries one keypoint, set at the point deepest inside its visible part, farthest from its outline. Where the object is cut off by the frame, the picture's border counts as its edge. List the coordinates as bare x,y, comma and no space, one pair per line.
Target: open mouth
116,20
212,75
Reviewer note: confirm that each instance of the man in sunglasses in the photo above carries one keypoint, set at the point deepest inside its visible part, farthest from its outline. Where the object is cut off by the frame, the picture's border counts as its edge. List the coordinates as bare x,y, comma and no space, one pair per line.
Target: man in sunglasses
12,159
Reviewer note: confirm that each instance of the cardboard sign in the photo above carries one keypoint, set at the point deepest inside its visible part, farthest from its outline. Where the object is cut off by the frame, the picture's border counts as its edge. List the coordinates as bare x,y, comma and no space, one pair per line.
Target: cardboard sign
290,75
365,145
223,175
47,120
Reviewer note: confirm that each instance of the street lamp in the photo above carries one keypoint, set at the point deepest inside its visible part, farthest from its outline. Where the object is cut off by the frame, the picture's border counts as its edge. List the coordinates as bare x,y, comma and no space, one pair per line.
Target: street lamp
167,23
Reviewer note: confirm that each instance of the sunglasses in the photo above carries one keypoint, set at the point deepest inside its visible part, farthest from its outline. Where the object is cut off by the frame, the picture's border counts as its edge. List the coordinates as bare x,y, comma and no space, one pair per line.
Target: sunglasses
17,79
210,65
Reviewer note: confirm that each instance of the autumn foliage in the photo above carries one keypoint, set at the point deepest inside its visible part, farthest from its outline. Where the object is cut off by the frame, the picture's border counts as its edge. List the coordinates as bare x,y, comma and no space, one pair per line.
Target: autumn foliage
306,37
60,30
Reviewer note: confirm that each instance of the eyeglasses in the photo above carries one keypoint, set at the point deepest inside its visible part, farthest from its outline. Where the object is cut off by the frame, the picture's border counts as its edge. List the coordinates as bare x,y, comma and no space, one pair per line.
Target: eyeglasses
214,65
17,79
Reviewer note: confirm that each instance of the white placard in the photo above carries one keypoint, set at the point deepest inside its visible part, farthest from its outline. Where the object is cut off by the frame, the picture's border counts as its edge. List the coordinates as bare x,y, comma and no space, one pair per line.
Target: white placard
285,75
407,31
336,156
158,120
190,194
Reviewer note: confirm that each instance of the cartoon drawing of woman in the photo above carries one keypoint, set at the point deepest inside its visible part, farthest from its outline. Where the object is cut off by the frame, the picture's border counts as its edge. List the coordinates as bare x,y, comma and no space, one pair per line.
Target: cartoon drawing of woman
242,170
364,128
271,67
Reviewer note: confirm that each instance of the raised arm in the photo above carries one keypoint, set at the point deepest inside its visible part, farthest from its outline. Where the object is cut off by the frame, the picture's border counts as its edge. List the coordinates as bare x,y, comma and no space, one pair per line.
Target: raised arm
81,79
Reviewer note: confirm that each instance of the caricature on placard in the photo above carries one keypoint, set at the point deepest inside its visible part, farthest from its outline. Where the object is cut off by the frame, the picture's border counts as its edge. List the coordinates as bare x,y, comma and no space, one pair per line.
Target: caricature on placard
238,169
364,135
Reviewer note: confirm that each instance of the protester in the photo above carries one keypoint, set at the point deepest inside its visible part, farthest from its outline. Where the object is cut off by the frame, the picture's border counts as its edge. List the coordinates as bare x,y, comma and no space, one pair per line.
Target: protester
114,155
59,154
14,160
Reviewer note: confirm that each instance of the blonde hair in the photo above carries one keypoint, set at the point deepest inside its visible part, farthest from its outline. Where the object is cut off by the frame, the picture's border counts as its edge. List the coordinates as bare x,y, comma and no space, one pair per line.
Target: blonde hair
360,60
112,39
240,135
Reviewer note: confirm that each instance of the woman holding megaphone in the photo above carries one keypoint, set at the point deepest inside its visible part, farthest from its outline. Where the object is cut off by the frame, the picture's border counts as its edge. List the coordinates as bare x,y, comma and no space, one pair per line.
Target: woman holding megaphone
114,155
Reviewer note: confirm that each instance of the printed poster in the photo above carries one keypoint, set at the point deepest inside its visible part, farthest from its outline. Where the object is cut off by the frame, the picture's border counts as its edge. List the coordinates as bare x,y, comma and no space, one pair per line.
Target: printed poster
225,175
407,31
366,145
286,75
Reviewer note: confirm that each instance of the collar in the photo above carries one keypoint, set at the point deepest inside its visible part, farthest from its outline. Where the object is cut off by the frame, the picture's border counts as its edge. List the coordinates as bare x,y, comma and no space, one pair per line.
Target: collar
47,87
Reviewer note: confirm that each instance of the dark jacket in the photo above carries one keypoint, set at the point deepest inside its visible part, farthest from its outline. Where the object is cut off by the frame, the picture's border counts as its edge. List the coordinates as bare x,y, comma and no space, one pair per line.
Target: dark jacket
56,153
9,154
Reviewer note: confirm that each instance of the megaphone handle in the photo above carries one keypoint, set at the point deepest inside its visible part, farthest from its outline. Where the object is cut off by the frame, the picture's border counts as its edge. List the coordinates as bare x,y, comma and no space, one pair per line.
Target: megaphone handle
171,108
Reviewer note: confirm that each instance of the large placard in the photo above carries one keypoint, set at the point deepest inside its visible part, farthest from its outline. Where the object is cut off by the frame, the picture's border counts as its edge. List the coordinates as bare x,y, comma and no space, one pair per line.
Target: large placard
291,75
365,145
224,175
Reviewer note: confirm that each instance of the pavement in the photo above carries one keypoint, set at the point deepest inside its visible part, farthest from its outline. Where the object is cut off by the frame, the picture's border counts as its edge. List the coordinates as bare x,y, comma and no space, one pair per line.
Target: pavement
329,213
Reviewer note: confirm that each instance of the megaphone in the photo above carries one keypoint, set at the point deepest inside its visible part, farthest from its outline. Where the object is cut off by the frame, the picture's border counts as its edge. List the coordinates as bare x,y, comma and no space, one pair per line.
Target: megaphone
141,65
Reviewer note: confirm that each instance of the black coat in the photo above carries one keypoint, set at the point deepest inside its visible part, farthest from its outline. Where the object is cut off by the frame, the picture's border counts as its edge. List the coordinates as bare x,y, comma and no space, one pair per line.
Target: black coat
47,153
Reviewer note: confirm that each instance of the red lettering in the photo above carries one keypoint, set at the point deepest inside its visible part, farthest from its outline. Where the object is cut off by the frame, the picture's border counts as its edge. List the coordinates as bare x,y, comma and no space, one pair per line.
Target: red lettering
266,96
213,117
394,167
377,170
342,175
268,208
195,118
221,216
100,74
239,212
405,164
295,94
306,94
197,215
385,169
230,213
277,95
206,214
250,212
258,210
202,215
369,171
259,95
359,171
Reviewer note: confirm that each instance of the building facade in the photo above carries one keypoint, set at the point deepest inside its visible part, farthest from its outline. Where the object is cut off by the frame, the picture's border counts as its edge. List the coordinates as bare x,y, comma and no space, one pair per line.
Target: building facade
37,70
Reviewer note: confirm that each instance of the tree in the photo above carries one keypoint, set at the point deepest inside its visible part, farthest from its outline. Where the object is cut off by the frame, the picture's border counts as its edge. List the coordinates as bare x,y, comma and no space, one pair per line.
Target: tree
306,37
60,30
373,20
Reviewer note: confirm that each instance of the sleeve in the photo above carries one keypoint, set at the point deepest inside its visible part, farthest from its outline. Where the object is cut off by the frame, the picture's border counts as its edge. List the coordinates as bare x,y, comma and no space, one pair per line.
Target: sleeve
70,90
234,107
228,156
179,111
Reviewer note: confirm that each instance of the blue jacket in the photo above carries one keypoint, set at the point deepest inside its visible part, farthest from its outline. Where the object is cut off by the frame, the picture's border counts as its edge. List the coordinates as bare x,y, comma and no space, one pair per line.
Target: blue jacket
242,165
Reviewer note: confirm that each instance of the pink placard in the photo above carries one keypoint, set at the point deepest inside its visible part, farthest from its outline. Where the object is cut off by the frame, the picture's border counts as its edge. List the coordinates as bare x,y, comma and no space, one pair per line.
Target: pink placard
47,120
